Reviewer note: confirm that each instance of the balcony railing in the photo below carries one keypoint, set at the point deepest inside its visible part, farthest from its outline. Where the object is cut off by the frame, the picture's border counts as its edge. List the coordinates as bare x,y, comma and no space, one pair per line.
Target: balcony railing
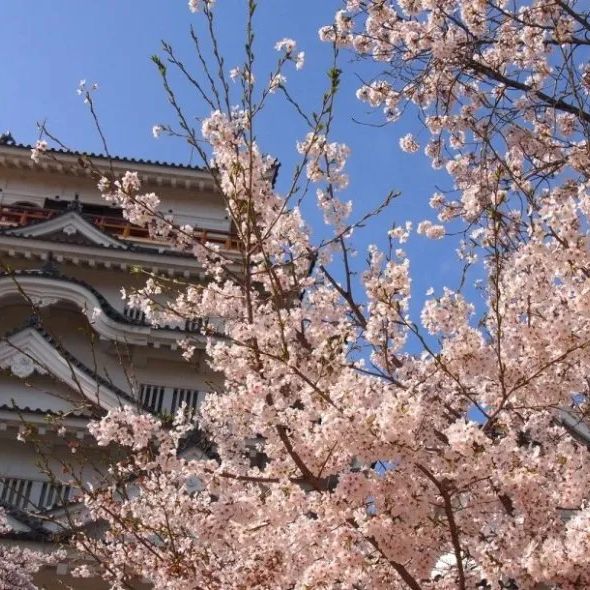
33,495
19,215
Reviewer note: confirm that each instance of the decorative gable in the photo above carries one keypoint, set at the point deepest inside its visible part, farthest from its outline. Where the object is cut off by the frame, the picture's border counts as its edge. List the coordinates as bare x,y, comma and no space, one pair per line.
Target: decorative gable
30,351
69,227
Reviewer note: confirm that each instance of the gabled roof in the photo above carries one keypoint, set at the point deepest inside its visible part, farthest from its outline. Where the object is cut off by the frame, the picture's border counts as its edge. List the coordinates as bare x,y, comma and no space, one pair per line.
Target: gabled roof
156,259
31,350
71,225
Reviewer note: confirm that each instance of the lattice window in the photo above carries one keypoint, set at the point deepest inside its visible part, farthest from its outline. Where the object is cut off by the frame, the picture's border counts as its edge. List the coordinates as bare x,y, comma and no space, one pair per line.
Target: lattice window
152,397
53,495
16,492
28,494
191,397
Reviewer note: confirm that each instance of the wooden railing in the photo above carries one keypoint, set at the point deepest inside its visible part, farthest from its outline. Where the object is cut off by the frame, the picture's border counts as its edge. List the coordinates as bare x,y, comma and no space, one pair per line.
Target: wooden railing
19,215
16,215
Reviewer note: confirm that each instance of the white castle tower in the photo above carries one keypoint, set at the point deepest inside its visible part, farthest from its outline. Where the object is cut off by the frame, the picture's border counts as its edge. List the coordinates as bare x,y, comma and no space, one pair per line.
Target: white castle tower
70,349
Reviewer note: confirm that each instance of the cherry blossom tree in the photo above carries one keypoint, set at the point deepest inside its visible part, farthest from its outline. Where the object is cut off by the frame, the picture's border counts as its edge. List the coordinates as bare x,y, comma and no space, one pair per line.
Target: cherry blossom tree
370,470
18,565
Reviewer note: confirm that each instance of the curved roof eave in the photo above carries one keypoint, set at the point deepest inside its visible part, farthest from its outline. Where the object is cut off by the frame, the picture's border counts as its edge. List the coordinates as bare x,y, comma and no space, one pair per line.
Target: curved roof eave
44,289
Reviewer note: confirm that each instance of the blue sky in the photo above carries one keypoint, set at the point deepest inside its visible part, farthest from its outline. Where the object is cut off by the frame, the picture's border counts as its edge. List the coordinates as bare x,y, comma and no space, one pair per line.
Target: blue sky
48,49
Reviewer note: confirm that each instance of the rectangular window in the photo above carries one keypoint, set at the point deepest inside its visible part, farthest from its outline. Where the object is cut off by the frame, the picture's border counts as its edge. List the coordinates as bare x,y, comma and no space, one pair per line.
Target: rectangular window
191,397
53,495
16,492
33,495
152,397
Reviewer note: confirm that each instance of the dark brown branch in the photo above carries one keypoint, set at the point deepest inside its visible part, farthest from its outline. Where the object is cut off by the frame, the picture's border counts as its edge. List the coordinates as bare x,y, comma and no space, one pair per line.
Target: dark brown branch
442,487
556,103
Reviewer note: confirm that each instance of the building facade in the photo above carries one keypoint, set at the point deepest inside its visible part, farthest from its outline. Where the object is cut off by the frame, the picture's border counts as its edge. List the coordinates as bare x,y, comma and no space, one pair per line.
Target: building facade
70,347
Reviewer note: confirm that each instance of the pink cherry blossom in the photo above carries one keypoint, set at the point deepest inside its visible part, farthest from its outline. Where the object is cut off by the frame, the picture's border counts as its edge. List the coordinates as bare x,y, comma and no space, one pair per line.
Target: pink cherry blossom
357,443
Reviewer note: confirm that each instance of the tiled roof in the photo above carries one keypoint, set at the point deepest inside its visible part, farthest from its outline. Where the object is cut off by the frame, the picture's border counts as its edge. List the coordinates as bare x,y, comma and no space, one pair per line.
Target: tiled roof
124,245
80,365
123,159
37,411
106,307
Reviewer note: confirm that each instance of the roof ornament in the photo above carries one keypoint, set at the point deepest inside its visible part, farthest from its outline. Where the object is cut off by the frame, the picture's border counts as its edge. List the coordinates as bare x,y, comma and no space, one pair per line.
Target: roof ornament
75,205
23,366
